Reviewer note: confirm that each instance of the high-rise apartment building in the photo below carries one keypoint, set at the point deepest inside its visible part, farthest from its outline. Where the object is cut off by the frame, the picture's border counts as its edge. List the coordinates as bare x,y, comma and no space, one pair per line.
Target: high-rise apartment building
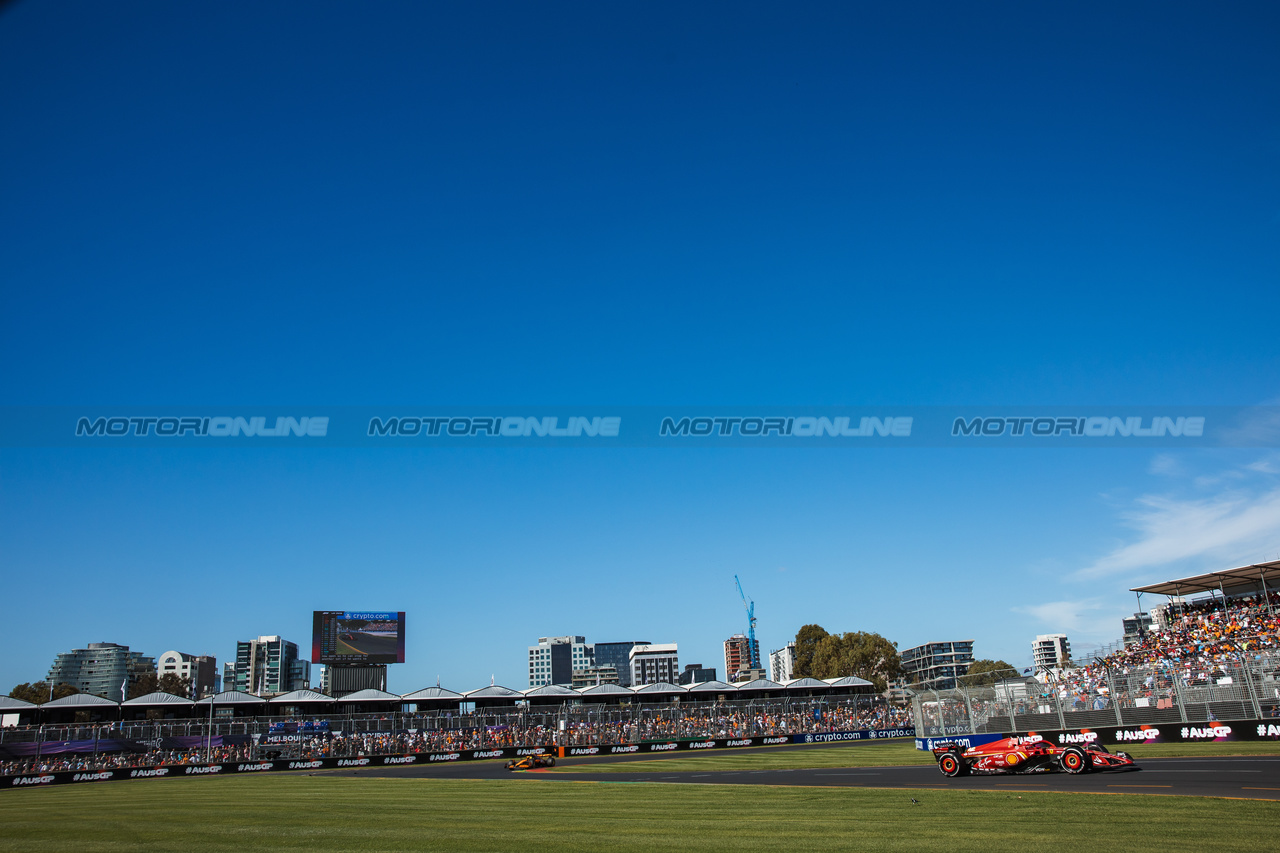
782,661
554,660
937,664
266,666
101,669
653,663
740,654
1050,651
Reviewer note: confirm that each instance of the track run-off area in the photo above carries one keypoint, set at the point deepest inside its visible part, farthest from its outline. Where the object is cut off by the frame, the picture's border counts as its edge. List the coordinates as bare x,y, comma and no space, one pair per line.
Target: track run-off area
1254,777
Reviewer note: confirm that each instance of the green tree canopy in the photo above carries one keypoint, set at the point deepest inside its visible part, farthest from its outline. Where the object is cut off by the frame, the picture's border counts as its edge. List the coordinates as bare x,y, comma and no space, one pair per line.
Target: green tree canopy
986,672
858,653
807,639
38,693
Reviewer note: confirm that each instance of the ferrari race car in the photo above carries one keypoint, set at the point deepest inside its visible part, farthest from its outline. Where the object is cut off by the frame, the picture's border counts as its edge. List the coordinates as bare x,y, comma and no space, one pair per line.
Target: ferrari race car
1017,755
530,762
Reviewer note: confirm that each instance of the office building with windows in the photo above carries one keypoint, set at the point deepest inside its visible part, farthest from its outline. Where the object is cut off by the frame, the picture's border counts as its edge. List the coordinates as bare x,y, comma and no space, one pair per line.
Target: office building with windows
740,654
554,660
267,666
201,671
937,664
653,663
101,669
618,656
1050,651
782,661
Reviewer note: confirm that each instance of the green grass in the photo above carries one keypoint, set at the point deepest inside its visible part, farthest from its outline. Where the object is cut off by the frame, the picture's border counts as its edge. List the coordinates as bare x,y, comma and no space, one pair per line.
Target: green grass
1196,750
342,813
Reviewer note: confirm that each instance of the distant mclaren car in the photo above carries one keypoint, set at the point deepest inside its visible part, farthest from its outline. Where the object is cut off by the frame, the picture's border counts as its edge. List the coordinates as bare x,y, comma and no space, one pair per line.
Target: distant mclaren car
1017,755
531,762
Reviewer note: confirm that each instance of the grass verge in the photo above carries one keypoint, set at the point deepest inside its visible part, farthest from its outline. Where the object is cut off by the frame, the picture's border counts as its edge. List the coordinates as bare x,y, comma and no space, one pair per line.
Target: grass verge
310,813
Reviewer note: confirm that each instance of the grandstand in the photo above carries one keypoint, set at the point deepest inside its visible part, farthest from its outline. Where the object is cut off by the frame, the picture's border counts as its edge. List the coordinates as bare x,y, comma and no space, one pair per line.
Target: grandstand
1216,657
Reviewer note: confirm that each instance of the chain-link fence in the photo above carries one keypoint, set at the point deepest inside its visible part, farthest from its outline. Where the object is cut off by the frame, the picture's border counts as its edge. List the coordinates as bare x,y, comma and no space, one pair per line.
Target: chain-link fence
1169,692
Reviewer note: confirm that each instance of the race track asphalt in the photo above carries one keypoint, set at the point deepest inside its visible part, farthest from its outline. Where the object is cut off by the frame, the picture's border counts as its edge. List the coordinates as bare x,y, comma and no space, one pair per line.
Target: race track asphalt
1252,777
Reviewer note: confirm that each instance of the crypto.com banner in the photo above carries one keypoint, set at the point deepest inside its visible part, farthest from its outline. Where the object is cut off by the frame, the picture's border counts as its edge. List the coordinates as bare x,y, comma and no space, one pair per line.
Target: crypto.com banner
614,426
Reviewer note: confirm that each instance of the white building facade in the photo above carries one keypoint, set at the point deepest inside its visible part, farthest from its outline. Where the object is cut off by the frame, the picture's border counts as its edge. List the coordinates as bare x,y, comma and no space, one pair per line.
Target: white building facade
653,663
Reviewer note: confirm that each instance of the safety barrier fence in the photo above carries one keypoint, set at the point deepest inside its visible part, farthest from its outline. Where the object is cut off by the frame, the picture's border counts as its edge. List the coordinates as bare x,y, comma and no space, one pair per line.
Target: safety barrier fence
1171,692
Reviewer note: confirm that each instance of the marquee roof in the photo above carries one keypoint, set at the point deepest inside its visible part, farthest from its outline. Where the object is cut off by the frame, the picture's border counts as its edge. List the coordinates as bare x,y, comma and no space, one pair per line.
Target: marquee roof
8,703
80,700
160,698
294,696
369,694
1268,573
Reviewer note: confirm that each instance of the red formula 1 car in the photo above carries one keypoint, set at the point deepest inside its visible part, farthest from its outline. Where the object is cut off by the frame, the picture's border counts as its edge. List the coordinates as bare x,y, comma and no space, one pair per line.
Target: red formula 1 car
531,762
1018,755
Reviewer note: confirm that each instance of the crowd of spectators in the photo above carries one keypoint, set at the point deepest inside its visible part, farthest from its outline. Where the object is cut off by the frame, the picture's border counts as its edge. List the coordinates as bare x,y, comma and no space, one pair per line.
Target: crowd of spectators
409,734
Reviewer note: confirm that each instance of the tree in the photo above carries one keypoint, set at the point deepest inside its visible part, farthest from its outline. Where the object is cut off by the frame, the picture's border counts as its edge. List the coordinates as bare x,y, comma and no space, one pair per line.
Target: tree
858,653
983,673
38,693
146,683
807,639
178,685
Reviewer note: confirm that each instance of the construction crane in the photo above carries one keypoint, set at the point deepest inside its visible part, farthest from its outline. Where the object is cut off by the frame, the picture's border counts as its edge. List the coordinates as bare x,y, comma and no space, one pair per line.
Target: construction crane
753,650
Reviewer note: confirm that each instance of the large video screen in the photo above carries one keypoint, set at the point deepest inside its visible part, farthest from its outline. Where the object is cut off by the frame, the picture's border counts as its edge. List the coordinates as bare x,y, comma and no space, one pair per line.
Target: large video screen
357,636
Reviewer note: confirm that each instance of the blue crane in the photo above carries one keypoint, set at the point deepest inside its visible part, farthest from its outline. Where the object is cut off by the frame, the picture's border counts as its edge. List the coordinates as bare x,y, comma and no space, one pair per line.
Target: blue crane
753,650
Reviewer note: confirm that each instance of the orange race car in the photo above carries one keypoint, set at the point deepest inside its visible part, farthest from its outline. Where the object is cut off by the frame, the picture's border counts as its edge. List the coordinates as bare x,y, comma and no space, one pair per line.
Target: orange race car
1021,755
531,762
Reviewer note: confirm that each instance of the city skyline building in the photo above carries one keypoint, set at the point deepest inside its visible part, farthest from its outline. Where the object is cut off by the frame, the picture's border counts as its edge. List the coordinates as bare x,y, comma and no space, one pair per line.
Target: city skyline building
696,673
937,664
739,654
267,665
1050,651
200,670
103,669
617,655
782,661
554,659
653,663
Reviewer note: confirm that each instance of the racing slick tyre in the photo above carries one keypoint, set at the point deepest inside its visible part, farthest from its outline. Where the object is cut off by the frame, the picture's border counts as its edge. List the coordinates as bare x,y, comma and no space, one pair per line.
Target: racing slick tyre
551,762
1074,760
952,765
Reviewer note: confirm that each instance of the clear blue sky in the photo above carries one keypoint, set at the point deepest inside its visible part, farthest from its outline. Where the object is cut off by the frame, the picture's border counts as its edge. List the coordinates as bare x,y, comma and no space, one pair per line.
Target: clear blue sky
389,204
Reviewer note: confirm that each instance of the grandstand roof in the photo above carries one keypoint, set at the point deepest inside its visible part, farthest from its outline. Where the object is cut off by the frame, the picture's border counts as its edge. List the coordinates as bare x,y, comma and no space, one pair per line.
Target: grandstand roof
369,694
758,684
805,683
8,703
1226,579
233,697
492,691
848,681
79,700
426,693
301,696
711,687
550,690
601,689
658,687
160,698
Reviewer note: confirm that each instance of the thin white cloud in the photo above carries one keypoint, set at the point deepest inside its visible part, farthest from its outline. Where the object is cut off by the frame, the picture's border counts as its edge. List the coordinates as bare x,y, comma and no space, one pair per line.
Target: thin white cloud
1233,526
1166,465
1087,621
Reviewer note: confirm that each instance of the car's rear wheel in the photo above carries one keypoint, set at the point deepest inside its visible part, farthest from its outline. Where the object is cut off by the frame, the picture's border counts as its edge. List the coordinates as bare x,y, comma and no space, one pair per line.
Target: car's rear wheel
551,762
1074,760
952,765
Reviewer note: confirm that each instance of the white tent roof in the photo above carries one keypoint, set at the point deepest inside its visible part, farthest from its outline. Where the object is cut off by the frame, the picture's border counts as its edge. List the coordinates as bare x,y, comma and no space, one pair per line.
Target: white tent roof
369,694
604,690
848,681
8,703
550,690
711,687
232,697
493,691
658,687
294,696
160,698
759,684
79,700
425,693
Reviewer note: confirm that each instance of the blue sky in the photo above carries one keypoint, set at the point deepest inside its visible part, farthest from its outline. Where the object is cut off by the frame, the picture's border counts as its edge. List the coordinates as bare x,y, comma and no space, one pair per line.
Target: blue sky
574,205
